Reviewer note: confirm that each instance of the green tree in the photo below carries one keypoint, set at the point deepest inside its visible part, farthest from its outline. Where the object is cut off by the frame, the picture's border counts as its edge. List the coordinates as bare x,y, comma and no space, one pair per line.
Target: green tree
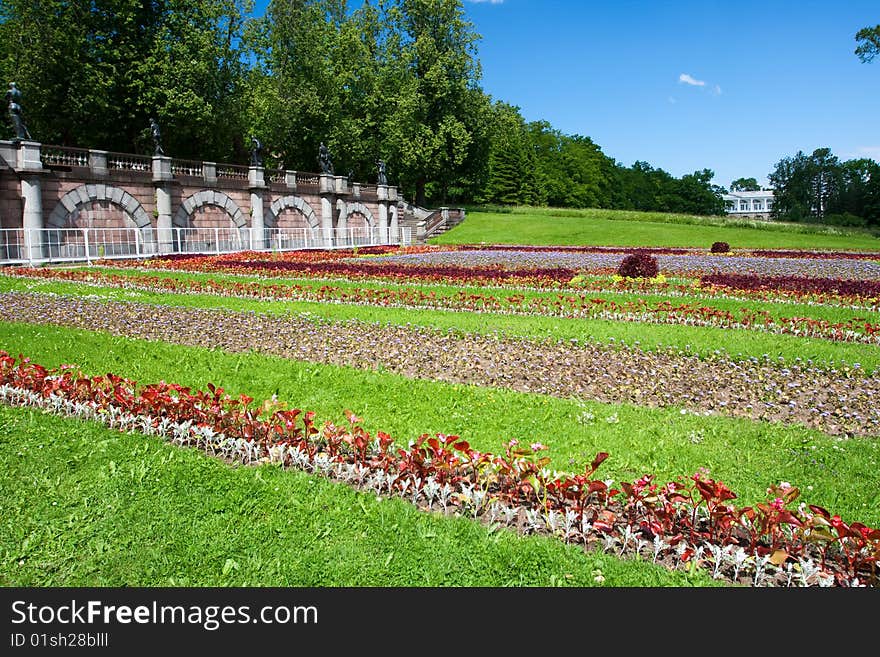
511,162
293,88
806,187
868,39
745,185
435,117
93,71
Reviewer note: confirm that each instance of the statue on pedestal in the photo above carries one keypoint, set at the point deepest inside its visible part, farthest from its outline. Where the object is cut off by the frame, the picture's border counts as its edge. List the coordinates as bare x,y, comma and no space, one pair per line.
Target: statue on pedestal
13,97
324,159
156,134
256,152
383,176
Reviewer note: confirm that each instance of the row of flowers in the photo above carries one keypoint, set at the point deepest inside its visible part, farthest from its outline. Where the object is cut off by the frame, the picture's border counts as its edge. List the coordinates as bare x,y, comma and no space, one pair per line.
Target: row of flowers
832,283
802,285
688,523
855,329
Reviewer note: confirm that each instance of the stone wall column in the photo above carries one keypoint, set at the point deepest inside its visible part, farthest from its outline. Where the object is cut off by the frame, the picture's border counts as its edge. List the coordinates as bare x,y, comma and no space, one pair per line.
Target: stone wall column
29,169
382,194
257,184
327,189
393,224
162,179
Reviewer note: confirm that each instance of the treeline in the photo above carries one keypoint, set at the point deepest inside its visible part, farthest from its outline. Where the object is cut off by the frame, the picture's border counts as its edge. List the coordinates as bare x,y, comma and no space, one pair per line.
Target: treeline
820,188
397,80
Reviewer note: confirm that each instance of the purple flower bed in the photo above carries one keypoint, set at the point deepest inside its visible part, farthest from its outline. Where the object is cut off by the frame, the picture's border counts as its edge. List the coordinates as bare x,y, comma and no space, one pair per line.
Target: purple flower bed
695,264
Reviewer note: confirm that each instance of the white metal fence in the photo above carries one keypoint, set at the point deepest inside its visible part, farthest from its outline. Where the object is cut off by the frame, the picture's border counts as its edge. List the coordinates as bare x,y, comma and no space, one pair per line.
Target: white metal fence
37,246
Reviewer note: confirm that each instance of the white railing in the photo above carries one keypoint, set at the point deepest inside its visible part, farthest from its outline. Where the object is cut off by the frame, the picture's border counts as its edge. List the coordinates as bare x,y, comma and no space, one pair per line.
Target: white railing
38,246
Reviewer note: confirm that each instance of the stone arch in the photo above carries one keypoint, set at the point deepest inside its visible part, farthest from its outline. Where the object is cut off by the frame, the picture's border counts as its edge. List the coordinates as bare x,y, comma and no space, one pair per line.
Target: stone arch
83,195
297,203
208,197
361,209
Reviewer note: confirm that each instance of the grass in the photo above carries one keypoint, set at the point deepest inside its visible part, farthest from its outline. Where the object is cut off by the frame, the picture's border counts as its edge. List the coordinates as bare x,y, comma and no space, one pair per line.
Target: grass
88,506
623,228
701,340
746,455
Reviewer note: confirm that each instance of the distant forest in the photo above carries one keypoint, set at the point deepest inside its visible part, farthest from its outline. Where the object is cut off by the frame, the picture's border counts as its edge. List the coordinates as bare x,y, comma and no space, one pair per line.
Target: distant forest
397,80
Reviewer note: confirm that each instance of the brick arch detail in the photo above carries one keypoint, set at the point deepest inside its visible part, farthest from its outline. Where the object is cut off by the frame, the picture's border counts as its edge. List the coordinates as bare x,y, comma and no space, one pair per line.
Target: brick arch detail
182,218
297,203
351,208
85,194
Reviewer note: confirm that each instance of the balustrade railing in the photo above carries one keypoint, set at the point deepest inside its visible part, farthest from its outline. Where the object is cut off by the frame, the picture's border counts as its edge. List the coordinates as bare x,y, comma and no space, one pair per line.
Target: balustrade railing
189,168
129,162
232,172
47,245
64,156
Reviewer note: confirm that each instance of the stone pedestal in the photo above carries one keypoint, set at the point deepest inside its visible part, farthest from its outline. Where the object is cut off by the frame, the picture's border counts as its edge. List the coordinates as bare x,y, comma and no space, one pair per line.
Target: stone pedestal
257,184
258,223
162,179
98,163
29,168
393,225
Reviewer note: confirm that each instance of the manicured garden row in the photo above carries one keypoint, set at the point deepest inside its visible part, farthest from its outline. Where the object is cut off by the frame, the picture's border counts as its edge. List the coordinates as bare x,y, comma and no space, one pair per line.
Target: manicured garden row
844,401
746,454
676,523
838,280
703,341
559,264
856,329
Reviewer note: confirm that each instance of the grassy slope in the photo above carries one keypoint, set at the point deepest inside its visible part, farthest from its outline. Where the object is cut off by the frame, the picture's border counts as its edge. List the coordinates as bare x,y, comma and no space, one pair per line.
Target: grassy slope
747,455
598,228
88,506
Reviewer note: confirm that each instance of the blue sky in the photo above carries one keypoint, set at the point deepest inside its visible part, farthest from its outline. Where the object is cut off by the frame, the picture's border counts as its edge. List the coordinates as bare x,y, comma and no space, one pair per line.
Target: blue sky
728,86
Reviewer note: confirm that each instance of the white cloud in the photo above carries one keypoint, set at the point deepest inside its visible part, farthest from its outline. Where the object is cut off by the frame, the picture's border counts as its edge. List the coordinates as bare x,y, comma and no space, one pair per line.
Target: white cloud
491,2
687,79
716,90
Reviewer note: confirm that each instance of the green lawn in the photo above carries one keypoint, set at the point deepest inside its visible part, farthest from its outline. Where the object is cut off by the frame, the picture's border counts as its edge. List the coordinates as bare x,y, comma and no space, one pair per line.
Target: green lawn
88,506
619,228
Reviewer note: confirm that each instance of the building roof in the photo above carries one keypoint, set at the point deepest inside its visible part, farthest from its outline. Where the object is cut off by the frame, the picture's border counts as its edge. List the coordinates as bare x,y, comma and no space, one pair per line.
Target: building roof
764,193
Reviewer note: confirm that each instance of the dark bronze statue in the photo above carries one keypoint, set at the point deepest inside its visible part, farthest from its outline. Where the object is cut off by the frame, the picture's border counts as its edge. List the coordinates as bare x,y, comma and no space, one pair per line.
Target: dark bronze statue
13,97
324,159
383,176
256,152
156,134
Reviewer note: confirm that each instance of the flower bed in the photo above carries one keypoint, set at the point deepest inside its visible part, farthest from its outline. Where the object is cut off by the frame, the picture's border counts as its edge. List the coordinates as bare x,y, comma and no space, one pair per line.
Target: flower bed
843,401
689,522
855,329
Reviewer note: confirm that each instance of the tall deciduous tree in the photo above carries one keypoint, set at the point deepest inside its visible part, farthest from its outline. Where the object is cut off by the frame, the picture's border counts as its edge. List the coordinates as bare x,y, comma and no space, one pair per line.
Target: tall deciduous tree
93,71
437,112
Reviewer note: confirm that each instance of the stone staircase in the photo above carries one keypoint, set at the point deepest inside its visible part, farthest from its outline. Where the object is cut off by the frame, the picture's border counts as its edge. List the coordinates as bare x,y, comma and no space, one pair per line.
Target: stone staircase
426,224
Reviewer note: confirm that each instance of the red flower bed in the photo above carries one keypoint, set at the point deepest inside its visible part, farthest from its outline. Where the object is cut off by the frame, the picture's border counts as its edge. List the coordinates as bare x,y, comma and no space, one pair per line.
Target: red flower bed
689,521
799,284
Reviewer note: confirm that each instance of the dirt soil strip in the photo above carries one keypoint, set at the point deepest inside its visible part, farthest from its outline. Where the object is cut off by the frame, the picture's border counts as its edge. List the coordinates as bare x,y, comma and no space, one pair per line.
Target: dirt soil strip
837,402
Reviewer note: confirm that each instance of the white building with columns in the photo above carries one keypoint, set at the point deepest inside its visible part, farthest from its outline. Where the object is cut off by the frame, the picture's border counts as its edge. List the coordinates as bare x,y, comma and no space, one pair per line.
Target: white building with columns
756,205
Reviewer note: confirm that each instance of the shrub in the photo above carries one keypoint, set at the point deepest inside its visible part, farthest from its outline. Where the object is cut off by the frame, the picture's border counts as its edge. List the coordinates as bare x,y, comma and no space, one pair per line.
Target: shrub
720,247
638,265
